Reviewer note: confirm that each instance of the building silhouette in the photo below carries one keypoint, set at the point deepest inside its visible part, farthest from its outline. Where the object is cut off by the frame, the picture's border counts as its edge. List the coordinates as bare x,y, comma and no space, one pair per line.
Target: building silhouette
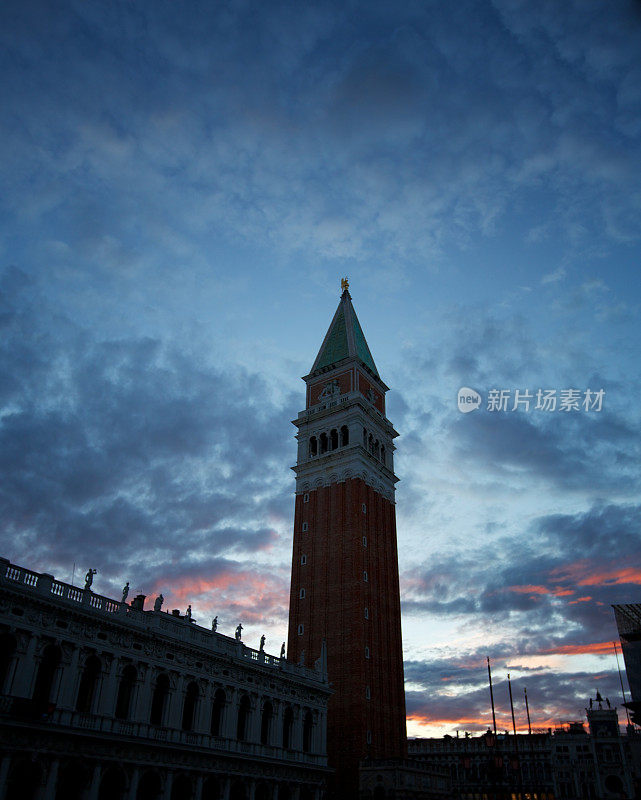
344,586
101,699
564,763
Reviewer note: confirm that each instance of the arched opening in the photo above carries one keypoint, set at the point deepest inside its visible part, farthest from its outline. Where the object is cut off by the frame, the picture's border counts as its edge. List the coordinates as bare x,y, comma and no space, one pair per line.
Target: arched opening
333,439
112,784
262,792
211,789
288,724
189,706
344,436
364,437
313,446
284,792
150,787
88,683
370,443
244,710
217,709
614,785
376,448
125,691
238,791
7,649
383,454
159,699
73,780
323,443
266,722
308,727
24,779
182,788
44,679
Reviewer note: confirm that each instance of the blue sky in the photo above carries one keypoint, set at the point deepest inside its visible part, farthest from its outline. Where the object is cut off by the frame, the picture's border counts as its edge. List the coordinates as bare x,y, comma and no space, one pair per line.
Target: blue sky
184,184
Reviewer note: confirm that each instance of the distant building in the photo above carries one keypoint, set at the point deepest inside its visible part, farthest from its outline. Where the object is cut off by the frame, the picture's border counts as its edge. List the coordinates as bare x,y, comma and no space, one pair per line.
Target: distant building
102,700
567,763
345,585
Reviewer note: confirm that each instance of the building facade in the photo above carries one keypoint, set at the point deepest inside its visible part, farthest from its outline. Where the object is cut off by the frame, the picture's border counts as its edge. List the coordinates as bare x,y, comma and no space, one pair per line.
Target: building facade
103,700
344,587
567,763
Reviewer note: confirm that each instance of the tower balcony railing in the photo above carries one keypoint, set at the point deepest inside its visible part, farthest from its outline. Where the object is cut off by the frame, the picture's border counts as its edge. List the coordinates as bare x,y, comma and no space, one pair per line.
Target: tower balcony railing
335,402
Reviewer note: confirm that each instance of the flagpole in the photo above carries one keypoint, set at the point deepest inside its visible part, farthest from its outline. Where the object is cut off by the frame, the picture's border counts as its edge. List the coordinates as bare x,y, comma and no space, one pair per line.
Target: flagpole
616,653
527,708
489,672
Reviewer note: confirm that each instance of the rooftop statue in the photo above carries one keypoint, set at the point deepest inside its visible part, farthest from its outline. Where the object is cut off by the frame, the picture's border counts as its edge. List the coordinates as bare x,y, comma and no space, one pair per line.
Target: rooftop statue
239,631
125,592
214,623
89,578
158,602
262,643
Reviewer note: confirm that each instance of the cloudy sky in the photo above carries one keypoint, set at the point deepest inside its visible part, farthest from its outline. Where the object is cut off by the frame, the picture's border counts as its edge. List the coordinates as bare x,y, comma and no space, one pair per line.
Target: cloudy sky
183,185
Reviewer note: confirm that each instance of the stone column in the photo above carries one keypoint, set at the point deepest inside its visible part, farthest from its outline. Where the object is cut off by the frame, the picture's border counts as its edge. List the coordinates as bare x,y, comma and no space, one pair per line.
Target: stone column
176,699
48,791
226,787
230,715
6,687
320,735
69,683
297,730
94,786
277,724
169,779
56,684
5,763
252,789
142,706
109,690
25,670
202,723
199,787
133,784
253,726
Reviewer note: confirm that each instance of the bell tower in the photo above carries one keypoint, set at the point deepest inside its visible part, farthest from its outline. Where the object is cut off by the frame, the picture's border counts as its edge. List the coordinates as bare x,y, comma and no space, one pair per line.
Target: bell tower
344,587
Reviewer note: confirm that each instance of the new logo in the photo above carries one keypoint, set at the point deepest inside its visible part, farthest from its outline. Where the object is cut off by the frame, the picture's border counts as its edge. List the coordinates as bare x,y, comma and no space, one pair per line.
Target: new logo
468,400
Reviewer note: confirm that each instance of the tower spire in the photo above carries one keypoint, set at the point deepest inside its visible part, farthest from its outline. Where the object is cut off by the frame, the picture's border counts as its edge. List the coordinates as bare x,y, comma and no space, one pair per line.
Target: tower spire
344,339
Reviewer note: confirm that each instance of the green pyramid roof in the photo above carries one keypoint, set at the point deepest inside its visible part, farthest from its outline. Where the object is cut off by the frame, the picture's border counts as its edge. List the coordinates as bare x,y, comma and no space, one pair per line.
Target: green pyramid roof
344,339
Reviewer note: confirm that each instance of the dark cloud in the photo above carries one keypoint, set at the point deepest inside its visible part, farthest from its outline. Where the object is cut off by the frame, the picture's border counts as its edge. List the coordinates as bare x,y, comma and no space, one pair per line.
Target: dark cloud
456,693
554,585
569,452
133,131
128,454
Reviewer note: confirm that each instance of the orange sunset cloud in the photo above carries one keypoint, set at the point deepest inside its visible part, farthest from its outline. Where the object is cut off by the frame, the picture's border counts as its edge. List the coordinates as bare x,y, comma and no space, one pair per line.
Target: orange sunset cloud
594,648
